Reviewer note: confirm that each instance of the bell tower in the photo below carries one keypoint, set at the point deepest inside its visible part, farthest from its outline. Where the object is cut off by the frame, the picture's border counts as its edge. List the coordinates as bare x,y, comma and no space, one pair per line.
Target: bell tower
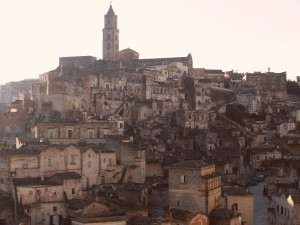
110,36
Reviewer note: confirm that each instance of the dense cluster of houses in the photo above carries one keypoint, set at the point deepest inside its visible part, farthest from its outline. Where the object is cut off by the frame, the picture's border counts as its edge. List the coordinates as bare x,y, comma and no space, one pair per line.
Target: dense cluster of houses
125,140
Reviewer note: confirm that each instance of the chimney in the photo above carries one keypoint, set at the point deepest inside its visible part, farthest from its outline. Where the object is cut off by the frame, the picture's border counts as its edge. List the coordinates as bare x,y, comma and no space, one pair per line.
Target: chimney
268,69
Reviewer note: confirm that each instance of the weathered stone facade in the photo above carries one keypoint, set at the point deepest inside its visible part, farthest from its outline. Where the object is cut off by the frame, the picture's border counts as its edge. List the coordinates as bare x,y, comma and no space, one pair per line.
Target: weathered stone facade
90,132
193,185
271,85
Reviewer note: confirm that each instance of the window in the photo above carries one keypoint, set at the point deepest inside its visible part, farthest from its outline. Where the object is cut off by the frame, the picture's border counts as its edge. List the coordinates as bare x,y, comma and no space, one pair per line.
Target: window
49,162
104,160
108,36
182,179
50,134
24,166
69,134
121,125
108,46
1,180
72,159
91,134
54,208
177,204
73,191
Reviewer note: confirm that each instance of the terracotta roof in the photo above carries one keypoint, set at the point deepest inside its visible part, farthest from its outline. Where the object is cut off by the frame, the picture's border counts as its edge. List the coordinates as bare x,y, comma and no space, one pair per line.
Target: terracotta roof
181,214
34,181
56,179
142,220
194,164
26,150
78,203
221,212
59,177
128,50
235,191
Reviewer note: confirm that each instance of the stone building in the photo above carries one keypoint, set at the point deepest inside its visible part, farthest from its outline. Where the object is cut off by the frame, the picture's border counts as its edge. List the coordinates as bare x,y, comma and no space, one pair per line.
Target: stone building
11,91
192,119
264,153
272,86
43,198
285,209
89,132
93,164
194,186
14,124
223,216
77,61
243,201
251,102
215,77
4,172
202,95
7,209
85,212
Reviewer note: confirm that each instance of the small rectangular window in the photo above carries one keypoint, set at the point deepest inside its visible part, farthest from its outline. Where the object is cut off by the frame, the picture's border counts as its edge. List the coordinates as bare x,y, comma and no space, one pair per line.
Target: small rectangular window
182,179
90,134
54,208
69,134
24,166
50,134
73,191
72,159
49,162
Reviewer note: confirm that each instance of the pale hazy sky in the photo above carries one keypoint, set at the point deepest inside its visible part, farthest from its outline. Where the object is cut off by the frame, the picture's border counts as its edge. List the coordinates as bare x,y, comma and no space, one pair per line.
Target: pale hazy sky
243,35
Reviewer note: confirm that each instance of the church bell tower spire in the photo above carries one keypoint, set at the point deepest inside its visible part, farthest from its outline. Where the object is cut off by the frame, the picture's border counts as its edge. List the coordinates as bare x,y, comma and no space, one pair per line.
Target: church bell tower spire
110,35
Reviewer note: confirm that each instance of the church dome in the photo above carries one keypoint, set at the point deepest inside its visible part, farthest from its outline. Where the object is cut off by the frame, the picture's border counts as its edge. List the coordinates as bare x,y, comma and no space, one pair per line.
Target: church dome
128,54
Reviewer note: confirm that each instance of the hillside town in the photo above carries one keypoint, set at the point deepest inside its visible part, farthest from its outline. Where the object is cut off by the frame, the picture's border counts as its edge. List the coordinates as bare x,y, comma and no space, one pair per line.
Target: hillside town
137,141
